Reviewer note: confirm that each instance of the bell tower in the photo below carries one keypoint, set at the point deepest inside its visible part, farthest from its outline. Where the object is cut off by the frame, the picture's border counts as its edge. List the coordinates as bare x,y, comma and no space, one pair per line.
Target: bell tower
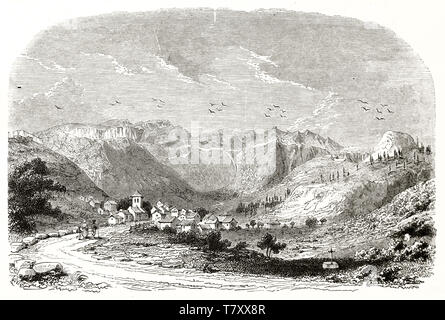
136,200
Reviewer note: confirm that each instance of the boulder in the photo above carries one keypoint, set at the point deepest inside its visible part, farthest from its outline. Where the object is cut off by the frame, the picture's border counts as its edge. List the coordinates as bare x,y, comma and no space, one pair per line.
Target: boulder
29,241
24,263
172,263
13,258
41,236
367,271
53,234
26,273
47,267
63,233
17,246
99,257
330,265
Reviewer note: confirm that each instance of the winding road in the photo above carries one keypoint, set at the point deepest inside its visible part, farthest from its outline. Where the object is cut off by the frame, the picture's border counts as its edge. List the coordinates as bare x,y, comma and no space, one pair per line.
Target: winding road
133,276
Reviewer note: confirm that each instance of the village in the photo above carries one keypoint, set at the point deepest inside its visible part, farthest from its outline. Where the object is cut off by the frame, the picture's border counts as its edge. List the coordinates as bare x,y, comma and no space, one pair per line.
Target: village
161,216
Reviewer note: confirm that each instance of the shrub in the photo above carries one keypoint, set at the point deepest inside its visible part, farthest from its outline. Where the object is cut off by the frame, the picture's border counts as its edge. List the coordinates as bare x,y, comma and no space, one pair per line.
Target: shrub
271,245
190,238
214,242
169,230
416,228
311,222
240,246
389,274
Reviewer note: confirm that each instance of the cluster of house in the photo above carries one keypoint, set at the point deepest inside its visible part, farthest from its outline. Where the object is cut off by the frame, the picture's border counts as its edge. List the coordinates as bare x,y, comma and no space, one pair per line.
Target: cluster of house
161,215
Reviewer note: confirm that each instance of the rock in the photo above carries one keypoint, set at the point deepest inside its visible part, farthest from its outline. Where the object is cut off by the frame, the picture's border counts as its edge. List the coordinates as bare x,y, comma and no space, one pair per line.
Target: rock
41,236
172,263
13,258
53,234
24,263
17,246
63,232
98,257
47,267
103,285
78,277
367,271
29,241
26,273
330,265
122,259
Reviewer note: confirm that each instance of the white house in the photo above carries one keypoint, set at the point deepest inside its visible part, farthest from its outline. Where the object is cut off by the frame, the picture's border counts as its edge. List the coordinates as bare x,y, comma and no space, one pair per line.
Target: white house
229,223
157,216
187,225
174,212
110,205
182,215
191,215
168,222
211,221
94,203
114,219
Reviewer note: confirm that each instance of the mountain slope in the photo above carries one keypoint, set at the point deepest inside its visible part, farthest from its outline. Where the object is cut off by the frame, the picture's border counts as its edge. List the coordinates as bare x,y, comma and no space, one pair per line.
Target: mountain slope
112,158
61,168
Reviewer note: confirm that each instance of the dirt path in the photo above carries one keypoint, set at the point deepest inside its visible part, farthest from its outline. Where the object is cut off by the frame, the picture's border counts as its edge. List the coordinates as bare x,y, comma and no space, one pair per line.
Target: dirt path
131,275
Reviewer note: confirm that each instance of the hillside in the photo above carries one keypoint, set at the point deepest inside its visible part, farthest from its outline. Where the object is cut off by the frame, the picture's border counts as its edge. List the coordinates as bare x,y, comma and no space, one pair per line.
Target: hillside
67,173
113,159
169,147
61,168
326,187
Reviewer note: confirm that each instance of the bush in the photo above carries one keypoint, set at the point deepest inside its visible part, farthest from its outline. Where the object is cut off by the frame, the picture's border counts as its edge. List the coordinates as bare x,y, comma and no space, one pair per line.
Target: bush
311,222
169,230
416,228
190,238
389,274
214,242
420,250
271,245
240,246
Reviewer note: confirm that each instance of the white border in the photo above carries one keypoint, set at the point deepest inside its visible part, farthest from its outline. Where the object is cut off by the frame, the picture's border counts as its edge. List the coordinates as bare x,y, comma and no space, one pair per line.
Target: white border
420,23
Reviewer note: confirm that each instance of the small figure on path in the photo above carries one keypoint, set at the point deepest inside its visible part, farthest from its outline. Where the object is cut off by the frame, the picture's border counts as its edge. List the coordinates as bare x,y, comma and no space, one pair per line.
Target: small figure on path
95,229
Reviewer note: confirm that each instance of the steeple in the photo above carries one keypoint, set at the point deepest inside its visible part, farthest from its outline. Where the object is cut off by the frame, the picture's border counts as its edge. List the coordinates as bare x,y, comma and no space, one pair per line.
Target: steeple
136,199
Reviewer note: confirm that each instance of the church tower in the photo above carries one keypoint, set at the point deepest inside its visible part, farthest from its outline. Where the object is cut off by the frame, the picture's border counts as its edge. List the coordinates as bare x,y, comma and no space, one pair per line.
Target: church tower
136,200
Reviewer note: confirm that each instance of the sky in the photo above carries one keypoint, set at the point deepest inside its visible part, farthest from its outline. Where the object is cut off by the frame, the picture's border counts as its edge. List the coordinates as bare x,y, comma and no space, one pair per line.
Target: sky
239,65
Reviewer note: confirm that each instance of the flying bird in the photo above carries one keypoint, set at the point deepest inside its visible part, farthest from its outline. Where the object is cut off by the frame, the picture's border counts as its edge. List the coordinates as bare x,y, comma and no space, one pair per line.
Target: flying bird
19,87
211,111
267,115
380,118
275,106
365,102
161,101
224,105
283,110
378,111
212,104
383,105
57,107
389,111
158,106
118,102
269,108
366,109
219,109
283,116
